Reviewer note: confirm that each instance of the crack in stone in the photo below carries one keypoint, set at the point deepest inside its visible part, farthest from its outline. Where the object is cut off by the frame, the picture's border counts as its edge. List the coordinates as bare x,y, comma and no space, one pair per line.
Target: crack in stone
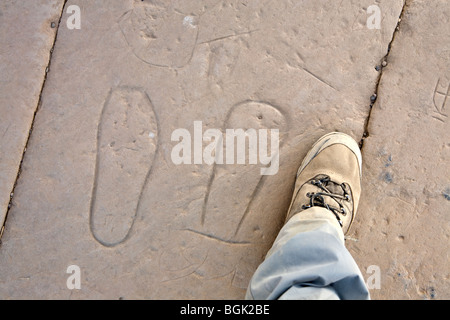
47,68
384,60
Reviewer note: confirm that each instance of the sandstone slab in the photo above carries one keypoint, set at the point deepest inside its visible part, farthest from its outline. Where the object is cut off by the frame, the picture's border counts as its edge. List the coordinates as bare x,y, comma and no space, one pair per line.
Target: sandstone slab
120,86
403,223
26,38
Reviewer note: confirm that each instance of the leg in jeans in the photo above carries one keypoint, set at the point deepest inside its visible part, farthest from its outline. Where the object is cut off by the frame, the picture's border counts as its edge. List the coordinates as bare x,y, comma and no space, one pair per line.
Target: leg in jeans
308,259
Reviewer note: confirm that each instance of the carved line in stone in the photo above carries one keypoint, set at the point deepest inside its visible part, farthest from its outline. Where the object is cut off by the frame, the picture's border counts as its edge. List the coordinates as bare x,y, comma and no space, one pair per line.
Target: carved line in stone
96,170
440,109
260,182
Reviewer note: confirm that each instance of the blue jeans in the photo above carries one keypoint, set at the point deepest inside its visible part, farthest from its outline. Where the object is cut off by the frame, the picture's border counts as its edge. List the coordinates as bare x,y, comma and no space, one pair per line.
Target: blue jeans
308,260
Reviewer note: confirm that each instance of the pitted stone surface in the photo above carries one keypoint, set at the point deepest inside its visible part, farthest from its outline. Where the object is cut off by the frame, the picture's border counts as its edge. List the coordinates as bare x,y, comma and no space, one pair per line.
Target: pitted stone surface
99,188
403,223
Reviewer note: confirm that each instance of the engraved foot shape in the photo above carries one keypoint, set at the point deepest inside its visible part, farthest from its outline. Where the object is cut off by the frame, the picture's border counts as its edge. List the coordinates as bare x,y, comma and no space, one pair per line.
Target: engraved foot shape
233,187
127,144
158,35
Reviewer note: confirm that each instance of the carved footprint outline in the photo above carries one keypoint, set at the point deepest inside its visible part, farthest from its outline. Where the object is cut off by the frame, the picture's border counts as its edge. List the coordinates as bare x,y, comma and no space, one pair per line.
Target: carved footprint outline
139,49
259,185
153,134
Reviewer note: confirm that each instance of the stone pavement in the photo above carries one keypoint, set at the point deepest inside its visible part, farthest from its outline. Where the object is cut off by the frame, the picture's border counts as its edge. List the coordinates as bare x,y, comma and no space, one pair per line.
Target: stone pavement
87,173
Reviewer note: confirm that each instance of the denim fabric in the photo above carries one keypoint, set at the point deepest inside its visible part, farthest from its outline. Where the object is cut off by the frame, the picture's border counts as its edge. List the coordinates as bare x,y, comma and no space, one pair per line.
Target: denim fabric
308,260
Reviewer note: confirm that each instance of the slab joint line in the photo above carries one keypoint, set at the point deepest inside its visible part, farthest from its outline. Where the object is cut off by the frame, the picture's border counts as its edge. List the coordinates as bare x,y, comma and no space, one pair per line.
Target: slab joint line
380,75
47,70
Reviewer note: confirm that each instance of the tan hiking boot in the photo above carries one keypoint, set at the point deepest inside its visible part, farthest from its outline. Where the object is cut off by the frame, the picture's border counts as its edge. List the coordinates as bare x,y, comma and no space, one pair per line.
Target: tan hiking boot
330,177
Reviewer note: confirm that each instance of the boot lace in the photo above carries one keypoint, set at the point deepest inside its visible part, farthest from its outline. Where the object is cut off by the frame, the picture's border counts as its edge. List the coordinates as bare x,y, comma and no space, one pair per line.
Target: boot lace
338,192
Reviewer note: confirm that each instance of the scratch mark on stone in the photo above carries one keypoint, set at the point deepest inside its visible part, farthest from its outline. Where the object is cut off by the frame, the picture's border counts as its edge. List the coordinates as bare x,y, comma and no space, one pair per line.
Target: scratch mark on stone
229,36
213,237
188,274
318,78
3,135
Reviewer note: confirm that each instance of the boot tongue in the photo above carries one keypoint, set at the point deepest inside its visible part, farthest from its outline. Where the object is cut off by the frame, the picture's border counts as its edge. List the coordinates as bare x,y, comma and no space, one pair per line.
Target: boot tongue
331,187
311,188
334,188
